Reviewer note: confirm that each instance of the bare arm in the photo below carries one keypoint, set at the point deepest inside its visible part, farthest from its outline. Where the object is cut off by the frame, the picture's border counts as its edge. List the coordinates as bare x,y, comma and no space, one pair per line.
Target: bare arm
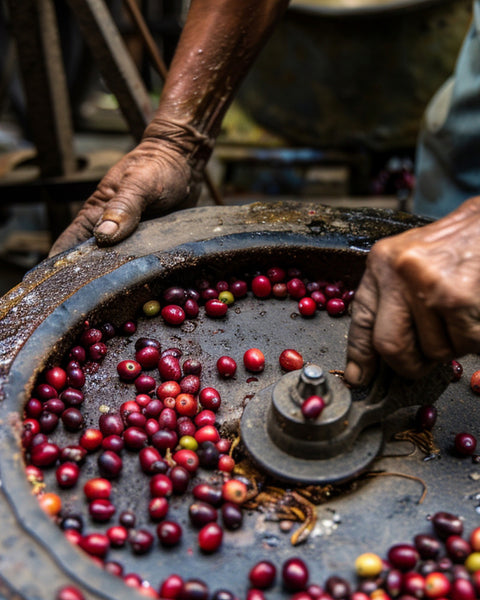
219,42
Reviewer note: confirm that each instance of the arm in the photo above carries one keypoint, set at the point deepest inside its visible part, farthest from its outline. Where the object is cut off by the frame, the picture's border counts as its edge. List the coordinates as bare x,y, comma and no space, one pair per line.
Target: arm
219,42
419,300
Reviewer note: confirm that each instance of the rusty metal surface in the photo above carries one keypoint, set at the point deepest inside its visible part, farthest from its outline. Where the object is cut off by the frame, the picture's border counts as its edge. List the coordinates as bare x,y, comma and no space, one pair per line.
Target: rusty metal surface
34,28
41,316
114,62
340,81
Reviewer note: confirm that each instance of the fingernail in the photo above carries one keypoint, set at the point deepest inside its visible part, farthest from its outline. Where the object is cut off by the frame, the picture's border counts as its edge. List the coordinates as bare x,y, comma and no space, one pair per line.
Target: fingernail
107,228
353,373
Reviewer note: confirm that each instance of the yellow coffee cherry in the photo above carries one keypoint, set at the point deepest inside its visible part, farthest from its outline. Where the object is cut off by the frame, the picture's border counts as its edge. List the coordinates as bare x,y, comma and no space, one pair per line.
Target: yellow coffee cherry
368,565
472,562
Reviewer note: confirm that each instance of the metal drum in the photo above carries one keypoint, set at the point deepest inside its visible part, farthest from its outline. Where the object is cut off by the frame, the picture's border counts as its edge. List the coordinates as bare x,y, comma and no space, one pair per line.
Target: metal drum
355,73
41,318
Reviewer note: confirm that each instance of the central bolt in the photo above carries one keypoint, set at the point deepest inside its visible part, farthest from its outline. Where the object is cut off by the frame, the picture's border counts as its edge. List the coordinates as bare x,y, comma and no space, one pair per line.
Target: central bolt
311,382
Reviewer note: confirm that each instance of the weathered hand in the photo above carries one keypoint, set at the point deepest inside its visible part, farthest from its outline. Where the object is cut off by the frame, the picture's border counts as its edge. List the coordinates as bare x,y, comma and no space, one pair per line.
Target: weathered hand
419,300
154,177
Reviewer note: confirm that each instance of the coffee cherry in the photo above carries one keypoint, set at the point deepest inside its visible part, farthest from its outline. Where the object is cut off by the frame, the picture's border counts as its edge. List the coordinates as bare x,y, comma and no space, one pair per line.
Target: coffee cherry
457,548
208,493
91,439
262,575
261,286
50,503
368,565
171,587
69,592
101,510
117,535
254,360
312,407
56,377
151,461
239,288
160,486
109,464
187,459
151,308
210,537
226,366
475,382
295,574
307,307
111,424
457,371
67,474
129,328
234,491
169,368
173,314
232,515
426,417
290,360
148,357
210,398
140,540
158,508
403,556
201,513
296,288
95,544
180,479
72,419
97,488
427,546
169,533
335,307
44,455
128,370
465,444
437,585
216,308
276,275
186,405
226,297
190,384
168,389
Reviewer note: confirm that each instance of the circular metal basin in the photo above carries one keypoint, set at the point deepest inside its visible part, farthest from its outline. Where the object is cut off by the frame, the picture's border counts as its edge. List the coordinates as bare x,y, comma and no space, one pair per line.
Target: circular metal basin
41,317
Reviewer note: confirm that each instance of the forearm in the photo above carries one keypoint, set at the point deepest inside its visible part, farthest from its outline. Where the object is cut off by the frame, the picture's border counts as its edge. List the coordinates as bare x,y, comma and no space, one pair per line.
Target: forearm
219,42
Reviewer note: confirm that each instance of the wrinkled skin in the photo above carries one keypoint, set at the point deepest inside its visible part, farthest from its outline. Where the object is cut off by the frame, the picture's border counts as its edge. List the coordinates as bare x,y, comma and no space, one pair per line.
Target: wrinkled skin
418,302
153,179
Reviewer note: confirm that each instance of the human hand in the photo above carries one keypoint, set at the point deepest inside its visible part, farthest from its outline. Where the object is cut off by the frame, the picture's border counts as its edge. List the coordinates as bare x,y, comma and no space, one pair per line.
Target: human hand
418,302
155,177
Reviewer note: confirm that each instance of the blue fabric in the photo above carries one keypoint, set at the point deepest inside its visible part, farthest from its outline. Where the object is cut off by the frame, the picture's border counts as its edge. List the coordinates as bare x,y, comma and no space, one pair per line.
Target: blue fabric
448,153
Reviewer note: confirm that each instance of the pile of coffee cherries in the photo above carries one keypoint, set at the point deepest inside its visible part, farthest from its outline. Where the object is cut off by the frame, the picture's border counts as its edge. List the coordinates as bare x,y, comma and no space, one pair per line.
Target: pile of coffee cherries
442,564
170,425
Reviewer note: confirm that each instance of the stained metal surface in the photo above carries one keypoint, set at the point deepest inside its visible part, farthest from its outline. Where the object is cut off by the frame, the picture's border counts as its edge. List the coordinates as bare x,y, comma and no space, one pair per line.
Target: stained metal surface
43,314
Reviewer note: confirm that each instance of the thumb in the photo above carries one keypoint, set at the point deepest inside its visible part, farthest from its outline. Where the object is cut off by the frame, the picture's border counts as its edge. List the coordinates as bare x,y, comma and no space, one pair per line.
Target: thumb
120,218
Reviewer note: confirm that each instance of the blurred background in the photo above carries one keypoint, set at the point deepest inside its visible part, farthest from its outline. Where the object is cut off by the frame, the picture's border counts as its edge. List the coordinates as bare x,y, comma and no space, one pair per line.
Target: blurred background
331,110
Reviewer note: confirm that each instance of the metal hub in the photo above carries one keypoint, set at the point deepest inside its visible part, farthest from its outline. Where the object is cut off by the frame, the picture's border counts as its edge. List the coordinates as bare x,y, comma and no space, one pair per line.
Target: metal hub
346,437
